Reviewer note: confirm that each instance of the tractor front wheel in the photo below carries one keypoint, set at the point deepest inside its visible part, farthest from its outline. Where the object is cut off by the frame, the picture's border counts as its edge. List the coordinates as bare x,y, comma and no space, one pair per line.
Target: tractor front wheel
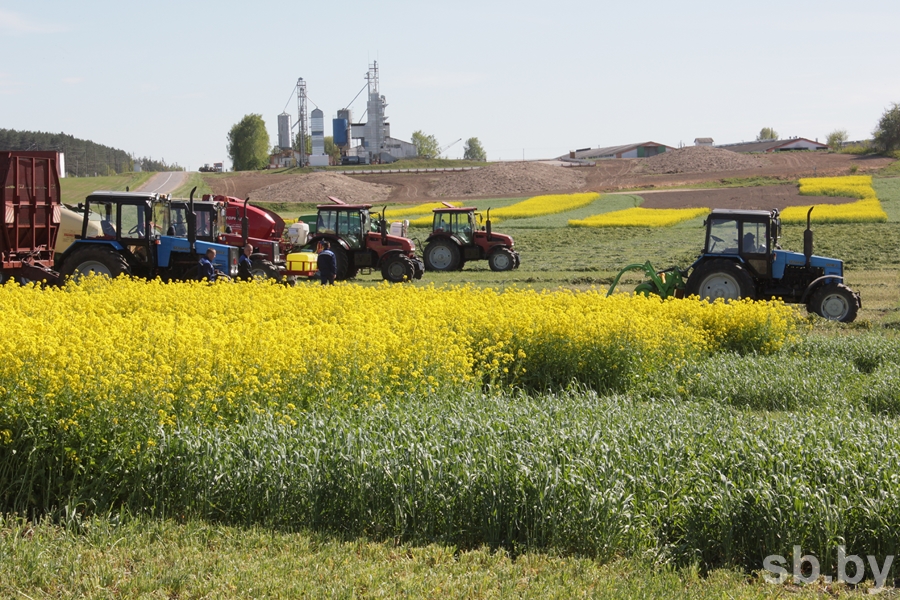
98,260
442,255
263,269
721,278
397,269
835,302
502,259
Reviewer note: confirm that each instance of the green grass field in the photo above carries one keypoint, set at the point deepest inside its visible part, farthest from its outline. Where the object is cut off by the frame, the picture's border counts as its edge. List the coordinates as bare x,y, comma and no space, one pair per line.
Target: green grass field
677,486
76,189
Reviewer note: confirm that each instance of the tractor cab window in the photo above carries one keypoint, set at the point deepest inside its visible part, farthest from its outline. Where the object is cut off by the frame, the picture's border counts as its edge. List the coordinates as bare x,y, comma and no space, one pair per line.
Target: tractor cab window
753,240
160,221
327,221
346,224
106,215
132,221
723,236
178,225
206,224
442,222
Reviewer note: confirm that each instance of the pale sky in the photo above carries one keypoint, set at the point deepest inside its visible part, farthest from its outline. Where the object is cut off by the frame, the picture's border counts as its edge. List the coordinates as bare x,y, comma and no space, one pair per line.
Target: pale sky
529,79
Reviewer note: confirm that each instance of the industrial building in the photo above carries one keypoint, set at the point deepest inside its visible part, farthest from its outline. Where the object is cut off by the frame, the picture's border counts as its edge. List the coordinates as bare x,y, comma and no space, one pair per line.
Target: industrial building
766,146
641,150
359,143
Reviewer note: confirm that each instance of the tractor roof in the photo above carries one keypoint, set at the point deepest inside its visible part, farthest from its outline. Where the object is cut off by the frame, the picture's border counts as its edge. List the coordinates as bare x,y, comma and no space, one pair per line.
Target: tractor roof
343,206
455,209
737,214
104,195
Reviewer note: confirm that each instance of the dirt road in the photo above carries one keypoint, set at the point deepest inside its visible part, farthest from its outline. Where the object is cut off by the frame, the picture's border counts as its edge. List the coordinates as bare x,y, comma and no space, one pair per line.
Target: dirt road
164,183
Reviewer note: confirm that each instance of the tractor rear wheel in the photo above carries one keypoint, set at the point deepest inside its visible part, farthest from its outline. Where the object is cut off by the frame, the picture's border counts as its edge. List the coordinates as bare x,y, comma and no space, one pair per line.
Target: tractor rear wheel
344,271
721,278
442,255
263,269
502,259
397,269
835,302
98,260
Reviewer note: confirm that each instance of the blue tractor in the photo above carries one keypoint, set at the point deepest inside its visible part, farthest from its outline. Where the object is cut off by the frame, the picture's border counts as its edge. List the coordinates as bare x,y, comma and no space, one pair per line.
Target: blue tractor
131,233
742,259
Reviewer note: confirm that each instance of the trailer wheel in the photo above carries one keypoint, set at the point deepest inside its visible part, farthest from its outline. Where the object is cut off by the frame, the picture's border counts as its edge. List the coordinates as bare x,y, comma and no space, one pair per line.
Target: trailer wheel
97,260
397,269
835,302
502,259
721,278
263,269
442,255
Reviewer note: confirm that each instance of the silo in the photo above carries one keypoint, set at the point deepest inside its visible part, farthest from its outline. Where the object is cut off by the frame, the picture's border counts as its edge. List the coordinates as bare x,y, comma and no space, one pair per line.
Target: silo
284,131
340,128
317,131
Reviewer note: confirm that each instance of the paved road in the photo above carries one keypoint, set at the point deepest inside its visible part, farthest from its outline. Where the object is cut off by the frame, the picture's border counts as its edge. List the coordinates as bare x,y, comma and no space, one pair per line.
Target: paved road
164,183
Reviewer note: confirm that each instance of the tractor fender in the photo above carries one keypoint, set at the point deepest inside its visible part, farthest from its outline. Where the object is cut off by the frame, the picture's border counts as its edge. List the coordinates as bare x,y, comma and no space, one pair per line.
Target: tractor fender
814,284
706,257
78,245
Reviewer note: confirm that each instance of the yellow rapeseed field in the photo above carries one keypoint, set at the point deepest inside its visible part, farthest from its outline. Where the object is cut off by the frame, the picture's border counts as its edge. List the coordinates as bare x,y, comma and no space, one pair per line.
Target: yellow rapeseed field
214,354
866,210
416,211
535,206
641,217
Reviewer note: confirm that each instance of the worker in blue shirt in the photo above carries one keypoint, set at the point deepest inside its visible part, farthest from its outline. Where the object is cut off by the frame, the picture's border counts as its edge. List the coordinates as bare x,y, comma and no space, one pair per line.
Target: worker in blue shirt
327,264
245,265
207,267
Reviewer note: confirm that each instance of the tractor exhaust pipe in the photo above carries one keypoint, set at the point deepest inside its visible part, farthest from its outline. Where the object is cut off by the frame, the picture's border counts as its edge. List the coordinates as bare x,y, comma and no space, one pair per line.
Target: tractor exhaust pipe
487,224
192,224
245,224
808,238
382,225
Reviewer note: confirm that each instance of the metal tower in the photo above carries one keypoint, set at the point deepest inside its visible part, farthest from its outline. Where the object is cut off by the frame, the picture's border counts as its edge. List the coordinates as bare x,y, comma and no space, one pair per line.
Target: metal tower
301,120
375,106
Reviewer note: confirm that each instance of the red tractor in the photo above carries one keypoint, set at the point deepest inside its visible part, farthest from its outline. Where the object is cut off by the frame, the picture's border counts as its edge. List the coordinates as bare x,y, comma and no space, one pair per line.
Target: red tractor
456,239
361,242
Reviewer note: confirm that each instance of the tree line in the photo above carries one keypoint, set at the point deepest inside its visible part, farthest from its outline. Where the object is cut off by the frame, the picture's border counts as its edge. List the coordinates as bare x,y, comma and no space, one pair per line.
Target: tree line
84,158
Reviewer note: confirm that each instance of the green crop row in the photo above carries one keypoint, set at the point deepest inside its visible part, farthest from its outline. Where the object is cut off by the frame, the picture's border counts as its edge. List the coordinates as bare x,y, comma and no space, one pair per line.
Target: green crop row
683,467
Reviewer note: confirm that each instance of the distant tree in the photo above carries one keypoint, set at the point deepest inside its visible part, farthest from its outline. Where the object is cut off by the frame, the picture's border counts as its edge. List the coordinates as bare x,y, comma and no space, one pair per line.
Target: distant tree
887,133
307,142
248,144
472,150
426,145
836,139
331,150
767,133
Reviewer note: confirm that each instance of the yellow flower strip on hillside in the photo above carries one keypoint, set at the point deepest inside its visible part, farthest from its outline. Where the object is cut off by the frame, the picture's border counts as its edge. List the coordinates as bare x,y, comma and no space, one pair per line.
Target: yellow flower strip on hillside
867,210
213,355
394,213
538,206
532,207
641,217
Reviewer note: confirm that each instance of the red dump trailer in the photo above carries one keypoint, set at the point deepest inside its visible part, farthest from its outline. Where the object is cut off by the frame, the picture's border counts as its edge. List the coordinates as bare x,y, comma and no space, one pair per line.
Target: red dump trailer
31,208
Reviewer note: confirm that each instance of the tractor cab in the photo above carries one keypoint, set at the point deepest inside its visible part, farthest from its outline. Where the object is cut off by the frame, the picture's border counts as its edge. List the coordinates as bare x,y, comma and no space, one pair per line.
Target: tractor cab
458,222
751,236
210,220
349,222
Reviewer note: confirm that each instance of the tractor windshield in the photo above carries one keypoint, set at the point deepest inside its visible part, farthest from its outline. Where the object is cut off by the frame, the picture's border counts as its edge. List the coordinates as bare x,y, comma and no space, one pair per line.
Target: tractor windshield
345,223
723,236
460,224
